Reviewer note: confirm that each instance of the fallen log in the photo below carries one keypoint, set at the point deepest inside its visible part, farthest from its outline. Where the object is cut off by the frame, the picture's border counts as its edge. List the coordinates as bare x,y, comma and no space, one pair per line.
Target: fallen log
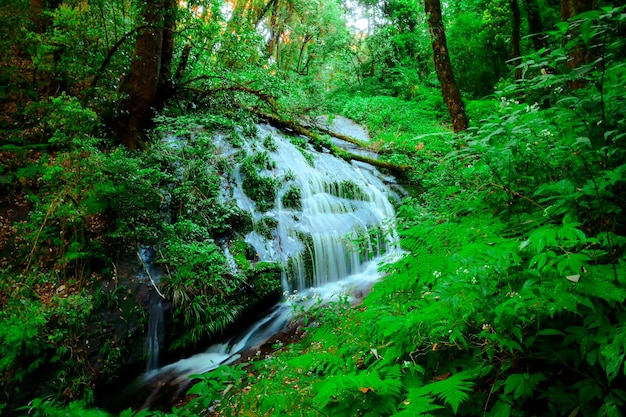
319,140
345,138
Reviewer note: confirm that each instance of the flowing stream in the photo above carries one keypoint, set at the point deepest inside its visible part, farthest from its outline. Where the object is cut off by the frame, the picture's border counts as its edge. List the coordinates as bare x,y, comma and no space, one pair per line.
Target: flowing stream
330,240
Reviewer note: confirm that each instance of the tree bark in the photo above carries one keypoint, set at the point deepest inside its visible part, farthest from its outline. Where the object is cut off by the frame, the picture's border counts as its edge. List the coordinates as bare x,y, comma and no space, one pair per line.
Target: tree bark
148,74
165,89
570,8
535,25
37,13
37,16
443,67
515,38
579,54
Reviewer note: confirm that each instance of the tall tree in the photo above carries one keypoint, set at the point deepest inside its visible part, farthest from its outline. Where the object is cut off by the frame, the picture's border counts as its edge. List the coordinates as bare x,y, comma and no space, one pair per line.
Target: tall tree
536,25
146,84
579,54
570,8
515,38
443,67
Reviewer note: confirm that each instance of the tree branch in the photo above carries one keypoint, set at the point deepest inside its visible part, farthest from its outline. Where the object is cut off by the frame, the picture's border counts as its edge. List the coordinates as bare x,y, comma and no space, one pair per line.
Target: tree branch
112,52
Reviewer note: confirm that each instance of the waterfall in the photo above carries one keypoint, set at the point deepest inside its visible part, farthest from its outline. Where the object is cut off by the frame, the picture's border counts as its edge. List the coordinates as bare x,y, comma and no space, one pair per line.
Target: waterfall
332,224
156,319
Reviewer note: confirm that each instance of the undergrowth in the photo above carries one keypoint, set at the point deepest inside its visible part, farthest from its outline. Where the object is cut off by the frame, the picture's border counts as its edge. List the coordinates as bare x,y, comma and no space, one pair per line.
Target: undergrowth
510,301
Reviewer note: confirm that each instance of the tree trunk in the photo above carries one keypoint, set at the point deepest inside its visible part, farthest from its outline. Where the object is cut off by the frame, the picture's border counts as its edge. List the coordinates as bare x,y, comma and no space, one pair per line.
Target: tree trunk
535,25
443,67
570,8
37,16
515,38
579,54
149,70
165,89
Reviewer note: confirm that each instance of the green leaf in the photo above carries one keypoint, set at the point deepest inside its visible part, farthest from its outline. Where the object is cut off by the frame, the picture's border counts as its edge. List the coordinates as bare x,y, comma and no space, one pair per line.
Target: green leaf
500,409
453,390
550,332
522,385
613,361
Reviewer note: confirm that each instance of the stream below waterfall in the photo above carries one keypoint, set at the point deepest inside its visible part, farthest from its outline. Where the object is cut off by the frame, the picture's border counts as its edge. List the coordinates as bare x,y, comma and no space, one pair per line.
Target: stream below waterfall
330,243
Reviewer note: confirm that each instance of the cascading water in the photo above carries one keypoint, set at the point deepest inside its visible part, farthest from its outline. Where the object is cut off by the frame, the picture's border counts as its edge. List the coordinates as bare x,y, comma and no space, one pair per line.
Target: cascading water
333,225
156,319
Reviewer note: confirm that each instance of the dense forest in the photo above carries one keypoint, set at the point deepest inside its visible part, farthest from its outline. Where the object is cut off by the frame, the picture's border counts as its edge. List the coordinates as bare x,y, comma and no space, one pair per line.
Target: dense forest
502,122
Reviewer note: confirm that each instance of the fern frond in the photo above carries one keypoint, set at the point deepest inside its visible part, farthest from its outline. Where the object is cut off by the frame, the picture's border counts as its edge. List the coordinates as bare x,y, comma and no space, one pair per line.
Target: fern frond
375,391
418,403
453,390
602,287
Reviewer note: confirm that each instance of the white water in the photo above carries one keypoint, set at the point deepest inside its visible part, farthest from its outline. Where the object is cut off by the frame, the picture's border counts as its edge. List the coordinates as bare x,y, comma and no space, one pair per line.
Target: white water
330,247
156,319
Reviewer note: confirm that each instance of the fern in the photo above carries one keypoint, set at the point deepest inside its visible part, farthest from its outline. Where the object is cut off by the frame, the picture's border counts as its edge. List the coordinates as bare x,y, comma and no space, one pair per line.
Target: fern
602,287
452,390
370,389
418,403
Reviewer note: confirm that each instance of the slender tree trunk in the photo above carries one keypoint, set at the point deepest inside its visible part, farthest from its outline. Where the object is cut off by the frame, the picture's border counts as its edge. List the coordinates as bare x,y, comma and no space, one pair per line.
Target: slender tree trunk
535,25
443,67
165,89
272,45
149,70
515,38
37,16
570,8
262,12
579,54
182,64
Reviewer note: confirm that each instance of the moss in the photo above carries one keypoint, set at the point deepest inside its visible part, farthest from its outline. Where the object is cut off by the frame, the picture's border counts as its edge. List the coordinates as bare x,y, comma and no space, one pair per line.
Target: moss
261,160
289,176
266,227
243,253
235,139
240,221
307,258
270,144
292,198
348,189
261,189
308,156
266,278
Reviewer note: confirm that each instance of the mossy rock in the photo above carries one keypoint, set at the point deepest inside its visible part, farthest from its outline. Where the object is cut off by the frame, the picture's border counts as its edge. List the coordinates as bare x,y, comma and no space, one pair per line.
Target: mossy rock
292,198
266,278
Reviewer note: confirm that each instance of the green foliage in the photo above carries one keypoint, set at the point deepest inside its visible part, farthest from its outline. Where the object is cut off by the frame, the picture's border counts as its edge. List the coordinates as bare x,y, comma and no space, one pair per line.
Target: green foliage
41,407
260,188
292,198
40,327
509,301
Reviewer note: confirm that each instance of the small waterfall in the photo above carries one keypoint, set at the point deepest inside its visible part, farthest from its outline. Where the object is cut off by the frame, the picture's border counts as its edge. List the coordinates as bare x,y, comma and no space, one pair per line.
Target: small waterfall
343,220
156,331
156,318
332,224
